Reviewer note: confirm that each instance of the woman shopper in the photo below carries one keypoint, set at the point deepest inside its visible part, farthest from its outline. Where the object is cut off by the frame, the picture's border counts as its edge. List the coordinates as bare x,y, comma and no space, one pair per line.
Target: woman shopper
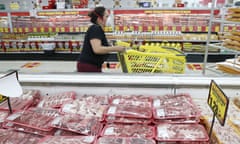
95,46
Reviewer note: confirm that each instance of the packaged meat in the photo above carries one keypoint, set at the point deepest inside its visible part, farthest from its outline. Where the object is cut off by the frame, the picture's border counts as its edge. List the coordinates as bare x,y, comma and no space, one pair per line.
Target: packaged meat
94,99
131,100
85,108
124,140
31,119
61,132
68,140
57,100
78,124
3,115
27,99
14,137
9,125
181,132
129,111
127,120
124,130
45,111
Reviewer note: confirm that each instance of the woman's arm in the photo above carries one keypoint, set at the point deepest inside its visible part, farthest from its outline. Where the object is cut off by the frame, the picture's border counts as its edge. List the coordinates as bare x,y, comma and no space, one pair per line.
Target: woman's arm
99,49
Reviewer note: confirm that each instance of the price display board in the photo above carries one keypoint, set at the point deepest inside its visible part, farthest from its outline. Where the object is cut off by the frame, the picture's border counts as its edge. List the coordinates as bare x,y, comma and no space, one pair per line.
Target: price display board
218,102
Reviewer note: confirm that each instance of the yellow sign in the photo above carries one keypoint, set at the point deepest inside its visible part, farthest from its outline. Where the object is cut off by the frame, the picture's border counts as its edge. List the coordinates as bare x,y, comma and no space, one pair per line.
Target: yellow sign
218,102
2,98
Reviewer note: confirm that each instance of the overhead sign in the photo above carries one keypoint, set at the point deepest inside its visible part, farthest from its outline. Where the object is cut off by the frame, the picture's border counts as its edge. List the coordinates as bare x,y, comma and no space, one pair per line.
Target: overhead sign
218,102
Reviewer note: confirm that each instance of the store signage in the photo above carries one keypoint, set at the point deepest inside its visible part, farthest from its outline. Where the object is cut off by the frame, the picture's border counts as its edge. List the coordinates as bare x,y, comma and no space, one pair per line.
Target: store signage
61,13
218,102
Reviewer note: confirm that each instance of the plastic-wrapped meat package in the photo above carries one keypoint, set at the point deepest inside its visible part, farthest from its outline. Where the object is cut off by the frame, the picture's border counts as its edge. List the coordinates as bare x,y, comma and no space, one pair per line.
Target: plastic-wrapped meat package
9,125
127,120
45,111
61,132
94,99
124,140
133,130
57,100
175,108
129,111
181,132
68,140
131,100
32,94
26,100
3,115
31,119
85,108
14,137
78,124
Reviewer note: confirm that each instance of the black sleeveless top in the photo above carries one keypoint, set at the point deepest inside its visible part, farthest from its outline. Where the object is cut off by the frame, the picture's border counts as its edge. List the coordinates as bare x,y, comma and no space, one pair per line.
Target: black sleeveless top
87,55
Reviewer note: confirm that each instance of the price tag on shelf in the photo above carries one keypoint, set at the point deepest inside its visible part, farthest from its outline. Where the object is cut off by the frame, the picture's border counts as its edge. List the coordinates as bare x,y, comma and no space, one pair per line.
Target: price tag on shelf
34,29
71,29
62,29
149,28
26,29
165,28
199,28
77,29
190,28
218,102
156,28
1,29
50,29
217,29
117,28
57,29
20,30
42,29
140,28
183,28
174,28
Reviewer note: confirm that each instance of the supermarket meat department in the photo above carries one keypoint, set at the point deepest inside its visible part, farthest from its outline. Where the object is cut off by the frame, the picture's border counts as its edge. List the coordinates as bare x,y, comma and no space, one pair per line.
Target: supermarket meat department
57,101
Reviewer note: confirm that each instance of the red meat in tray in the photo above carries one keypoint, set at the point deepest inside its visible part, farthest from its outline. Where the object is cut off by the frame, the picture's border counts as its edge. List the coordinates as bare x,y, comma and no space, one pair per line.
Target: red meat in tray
78,124
181,132
133,130
68,140
124,140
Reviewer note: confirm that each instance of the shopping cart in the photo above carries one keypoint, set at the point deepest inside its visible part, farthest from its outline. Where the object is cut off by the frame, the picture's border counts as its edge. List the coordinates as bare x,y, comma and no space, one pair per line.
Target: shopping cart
152,60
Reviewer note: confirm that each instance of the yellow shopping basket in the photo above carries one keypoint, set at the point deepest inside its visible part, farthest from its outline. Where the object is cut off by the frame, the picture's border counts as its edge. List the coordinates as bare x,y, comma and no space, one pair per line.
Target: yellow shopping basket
133,61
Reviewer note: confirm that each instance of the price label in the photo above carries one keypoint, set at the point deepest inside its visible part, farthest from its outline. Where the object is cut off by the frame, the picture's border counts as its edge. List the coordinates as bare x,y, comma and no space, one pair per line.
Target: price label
34,29
62,29
42,29
149,28
20,30
50,29
190,28
183,28
71,29
174,28
57,29
156,28
199,29
140,28
26,29
77,29
2,98
117,28
218,102
165,28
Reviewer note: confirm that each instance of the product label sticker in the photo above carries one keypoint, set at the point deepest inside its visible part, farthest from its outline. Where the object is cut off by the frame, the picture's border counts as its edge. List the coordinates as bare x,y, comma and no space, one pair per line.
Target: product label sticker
160,112
116,101
112,110
156,103
89,139
109,131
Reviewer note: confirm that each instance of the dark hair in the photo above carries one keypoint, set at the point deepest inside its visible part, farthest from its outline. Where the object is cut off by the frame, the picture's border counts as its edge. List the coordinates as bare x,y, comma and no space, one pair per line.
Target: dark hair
97,12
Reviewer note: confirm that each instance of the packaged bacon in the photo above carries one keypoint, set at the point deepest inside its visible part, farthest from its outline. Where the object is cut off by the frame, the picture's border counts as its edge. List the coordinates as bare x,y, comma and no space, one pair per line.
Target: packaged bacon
68,140
131,100
124,130
129,111
124,140
78,124
57,100
31,119
167,132
14,137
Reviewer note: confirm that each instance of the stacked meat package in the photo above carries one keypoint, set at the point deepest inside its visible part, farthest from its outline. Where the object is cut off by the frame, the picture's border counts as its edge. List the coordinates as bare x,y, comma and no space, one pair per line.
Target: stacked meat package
69,117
